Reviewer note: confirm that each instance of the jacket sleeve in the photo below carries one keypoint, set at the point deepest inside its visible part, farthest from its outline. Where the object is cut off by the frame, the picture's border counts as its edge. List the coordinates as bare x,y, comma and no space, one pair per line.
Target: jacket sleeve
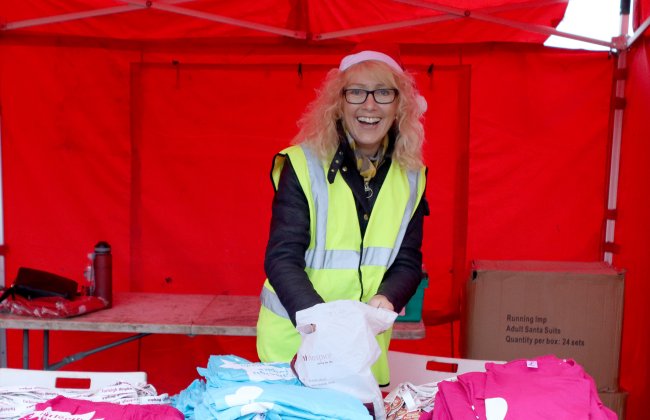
289,238
403,277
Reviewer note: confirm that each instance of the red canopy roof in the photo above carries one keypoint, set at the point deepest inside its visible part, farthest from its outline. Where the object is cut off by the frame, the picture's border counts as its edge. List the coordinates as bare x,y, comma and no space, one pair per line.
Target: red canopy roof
407,21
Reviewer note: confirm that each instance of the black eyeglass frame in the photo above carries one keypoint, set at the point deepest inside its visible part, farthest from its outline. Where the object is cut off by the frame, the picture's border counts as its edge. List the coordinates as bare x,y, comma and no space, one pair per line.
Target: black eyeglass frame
368,92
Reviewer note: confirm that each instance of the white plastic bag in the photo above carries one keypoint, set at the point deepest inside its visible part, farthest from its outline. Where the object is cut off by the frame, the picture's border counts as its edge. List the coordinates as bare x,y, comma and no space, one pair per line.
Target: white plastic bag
339,347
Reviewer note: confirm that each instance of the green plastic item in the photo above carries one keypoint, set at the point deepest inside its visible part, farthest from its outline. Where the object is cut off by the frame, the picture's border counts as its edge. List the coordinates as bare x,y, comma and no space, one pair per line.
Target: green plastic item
413,309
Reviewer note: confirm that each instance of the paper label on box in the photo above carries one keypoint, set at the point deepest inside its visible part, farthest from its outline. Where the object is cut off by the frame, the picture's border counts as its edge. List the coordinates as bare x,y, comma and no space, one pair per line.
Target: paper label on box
531,364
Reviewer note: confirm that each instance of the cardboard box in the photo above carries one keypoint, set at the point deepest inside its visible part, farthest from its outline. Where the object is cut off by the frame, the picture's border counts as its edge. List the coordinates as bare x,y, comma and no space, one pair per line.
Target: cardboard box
615,401
524,309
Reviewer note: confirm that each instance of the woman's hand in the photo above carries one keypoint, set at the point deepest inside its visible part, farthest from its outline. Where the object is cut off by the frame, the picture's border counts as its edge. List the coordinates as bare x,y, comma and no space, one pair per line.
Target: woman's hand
380,301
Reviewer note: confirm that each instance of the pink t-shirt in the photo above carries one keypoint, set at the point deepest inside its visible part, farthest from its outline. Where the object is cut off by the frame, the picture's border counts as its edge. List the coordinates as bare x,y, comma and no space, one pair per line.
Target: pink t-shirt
536,389
545,387
62,408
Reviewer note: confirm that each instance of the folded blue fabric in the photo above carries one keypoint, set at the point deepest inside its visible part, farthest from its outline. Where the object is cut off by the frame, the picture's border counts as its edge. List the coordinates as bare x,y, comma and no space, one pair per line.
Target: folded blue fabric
246,400
224,370
235,388
189,399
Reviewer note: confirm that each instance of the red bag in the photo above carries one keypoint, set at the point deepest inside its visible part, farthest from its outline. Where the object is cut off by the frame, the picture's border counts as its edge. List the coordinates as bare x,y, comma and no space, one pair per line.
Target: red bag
52,307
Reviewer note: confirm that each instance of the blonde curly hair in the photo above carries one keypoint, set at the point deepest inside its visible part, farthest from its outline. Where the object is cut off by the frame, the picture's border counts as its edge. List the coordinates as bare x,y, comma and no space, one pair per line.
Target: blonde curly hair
318,123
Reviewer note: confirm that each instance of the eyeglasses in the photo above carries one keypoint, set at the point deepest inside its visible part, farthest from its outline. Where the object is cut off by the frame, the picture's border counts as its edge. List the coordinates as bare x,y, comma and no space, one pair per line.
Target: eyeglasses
381,96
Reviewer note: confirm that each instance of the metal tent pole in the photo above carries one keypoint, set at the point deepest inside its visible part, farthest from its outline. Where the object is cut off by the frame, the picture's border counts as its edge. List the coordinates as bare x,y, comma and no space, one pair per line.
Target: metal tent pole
67,17
488,17
169,6
640,30
3,335
617,131
423,21
226,20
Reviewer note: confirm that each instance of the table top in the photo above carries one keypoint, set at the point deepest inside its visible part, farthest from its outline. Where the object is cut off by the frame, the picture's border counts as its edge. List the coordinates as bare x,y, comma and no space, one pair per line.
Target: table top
141,312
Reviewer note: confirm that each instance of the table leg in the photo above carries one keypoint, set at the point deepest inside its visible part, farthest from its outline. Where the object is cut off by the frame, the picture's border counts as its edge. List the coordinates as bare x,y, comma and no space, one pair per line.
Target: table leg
46,349
81,355
25,349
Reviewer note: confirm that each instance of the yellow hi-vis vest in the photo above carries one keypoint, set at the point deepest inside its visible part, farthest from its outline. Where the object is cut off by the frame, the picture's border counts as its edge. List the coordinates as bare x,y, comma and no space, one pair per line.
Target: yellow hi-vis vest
339,262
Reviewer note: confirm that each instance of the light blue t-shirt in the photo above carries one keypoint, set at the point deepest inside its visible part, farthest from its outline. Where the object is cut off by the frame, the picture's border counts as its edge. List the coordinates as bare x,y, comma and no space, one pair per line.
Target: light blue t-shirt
235,388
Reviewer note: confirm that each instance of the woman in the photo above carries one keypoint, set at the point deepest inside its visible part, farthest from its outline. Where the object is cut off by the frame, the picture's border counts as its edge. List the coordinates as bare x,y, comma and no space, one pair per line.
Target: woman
349,203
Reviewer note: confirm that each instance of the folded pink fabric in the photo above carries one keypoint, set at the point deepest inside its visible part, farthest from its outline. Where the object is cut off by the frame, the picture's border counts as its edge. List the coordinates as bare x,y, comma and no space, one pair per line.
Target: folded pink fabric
542,388
62,408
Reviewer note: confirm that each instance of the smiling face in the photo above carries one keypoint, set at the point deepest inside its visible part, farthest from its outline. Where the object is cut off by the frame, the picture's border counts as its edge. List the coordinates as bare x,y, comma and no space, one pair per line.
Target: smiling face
369,122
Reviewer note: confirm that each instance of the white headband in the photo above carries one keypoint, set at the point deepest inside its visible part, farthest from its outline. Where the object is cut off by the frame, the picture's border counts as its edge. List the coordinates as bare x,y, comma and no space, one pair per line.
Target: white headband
352,59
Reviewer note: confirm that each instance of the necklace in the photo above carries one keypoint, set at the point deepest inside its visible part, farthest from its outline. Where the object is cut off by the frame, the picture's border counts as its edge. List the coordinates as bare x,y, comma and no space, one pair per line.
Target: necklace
367,189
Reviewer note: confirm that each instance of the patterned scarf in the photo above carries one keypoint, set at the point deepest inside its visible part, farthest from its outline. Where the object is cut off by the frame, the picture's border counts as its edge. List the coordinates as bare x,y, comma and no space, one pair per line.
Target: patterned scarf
367,165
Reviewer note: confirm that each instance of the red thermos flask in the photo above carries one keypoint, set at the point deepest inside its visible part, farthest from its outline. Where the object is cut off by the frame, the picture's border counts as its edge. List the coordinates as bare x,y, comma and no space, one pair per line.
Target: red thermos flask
103,268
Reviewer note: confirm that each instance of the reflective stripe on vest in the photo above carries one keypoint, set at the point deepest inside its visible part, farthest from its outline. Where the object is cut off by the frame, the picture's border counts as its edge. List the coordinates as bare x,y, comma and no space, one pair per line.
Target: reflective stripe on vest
386,256
317,257
271,301
320,258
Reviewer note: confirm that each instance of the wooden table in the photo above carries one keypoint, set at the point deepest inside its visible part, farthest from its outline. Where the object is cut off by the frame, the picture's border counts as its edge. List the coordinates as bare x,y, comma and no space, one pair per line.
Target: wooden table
160,313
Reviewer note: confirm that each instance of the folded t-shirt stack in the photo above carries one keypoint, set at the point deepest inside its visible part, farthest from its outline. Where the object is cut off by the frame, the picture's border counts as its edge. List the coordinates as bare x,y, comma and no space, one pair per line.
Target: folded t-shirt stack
64,408
534,389
35,402
235,388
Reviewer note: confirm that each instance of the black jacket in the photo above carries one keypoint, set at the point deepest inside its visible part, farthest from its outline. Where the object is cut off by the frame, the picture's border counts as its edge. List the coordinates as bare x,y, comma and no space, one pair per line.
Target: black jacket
289,236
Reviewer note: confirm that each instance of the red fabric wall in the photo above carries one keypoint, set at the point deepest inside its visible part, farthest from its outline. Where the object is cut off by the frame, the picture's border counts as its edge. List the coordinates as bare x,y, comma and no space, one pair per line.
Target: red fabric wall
169,163
641,12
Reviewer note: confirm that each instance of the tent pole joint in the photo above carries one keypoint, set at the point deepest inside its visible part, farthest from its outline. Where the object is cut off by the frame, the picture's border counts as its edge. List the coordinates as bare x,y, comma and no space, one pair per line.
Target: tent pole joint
620,42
